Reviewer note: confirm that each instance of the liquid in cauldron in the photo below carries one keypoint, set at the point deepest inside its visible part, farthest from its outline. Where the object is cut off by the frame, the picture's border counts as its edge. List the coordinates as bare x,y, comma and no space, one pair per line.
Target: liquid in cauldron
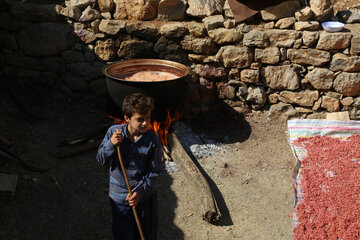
149,76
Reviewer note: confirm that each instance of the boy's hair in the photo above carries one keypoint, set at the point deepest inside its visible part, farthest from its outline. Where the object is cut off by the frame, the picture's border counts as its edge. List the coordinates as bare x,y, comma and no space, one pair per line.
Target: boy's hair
137,102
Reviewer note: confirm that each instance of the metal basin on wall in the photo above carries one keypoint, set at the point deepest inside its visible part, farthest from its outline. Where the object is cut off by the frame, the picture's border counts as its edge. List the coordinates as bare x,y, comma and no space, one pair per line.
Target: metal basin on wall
166,83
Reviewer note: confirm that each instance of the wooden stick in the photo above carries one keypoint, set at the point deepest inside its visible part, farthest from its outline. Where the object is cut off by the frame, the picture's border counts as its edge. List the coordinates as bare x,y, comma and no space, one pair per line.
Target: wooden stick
130,193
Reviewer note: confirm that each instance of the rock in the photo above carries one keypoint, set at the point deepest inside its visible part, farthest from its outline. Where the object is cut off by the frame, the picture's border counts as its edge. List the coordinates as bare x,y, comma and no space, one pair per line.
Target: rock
305,98
308,56
269,25
250,76
303,110
98,87
225,36
87,70
273,98
71,56
348,84
8,23
8,41
234,74
105,5
143,30
86,35
213,22
257,96
307,25
197,29
334,95
355,40
198,45
53,64
44,39
80,26
105,49
256,38
303,14
141,9
356,102
71,12
242,91
320,78
331,41
89,15
321,8
255,65
350,16
233,56
347,101
341,62
136,49
74,82
285,22
317,105
81,3
16,72
282,10
106,15
229,23
281,111
20,61
32,12
282,38
283,54
330,104
225,91
95,26
281,77
112,27
227,10
120,10
171,10
297,43
210,72
196,58
319,115
203,8
309,38
176,29
270,55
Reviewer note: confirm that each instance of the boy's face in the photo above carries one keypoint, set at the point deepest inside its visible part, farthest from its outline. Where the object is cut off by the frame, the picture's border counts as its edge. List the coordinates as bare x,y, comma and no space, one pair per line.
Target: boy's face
138,123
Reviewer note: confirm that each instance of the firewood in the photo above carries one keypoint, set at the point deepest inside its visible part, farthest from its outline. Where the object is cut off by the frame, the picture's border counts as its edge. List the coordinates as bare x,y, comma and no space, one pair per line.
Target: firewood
210,211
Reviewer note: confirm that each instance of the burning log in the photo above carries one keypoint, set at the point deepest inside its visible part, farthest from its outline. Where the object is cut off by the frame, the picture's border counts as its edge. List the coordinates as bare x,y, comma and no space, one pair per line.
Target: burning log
210,211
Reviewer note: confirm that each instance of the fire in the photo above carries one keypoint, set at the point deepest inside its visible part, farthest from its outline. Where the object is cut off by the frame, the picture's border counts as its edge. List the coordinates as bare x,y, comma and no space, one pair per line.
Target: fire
161,128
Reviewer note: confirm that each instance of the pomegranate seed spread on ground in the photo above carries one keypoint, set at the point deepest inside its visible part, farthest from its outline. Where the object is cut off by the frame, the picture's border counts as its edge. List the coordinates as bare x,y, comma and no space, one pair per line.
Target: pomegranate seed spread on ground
330,181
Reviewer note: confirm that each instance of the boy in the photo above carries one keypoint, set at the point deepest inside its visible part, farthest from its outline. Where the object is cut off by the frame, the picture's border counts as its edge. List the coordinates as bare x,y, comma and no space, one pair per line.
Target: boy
141,153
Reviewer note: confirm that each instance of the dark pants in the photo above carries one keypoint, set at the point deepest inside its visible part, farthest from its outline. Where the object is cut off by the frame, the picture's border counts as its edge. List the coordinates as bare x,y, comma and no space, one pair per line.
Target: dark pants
124,225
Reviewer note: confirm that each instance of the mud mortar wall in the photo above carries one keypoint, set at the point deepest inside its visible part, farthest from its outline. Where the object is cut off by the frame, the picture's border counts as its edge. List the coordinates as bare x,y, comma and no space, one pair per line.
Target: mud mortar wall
281,60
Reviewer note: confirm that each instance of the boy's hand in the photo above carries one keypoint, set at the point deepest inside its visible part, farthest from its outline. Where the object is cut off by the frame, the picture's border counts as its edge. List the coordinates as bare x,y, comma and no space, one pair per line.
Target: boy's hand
133,199
116,138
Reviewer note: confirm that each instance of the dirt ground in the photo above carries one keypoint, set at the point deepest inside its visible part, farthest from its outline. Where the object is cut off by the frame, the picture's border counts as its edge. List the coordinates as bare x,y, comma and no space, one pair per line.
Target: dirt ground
251,179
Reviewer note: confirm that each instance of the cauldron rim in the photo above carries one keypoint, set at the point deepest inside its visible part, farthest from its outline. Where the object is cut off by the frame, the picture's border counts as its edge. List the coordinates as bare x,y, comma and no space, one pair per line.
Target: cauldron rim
146,62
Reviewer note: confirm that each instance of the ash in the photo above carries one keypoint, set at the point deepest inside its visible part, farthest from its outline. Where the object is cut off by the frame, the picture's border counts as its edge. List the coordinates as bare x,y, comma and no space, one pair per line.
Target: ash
198,145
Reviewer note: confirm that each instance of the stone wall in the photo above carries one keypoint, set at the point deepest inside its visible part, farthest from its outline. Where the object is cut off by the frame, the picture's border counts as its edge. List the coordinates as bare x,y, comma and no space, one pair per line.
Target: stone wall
285,63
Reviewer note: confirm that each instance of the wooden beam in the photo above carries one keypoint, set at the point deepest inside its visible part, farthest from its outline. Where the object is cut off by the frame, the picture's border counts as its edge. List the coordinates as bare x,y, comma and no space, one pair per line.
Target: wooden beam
201,187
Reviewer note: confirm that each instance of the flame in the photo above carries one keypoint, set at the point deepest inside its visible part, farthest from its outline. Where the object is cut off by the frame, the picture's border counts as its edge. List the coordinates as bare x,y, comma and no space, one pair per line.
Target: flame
160,128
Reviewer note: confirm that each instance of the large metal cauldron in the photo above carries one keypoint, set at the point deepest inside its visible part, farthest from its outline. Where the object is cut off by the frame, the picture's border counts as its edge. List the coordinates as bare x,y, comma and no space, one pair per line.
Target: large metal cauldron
169,94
